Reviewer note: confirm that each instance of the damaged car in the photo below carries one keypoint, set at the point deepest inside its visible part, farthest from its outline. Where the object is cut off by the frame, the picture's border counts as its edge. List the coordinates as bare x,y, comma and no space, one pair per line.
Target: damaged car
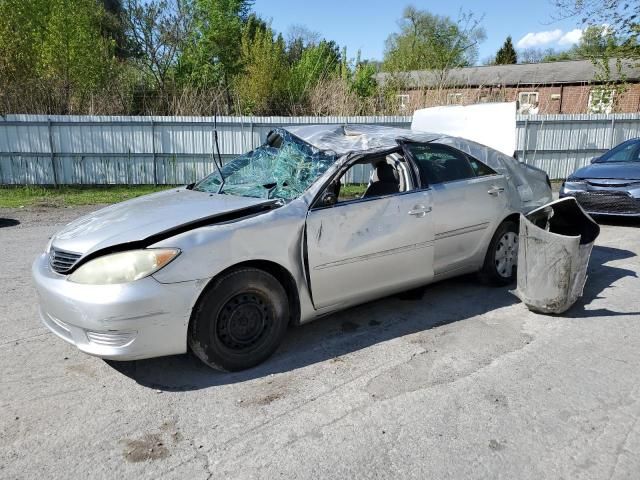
315,220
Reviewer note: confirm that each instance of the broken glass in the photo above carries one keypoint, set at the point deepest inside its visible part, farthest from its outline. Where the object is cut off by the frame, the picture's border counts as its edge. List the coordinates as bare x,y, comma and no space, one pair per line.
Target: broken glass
284,167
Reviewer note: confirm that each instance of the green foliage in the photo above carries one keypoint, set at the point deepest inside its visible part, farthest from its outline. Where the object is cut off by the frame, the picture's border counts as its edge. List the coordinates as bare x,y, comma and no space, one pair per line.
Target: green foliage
596,42
620,16
432,42
60,42
507,54
22,28
364,82
73,48
316,63
196,57
262,85
213,50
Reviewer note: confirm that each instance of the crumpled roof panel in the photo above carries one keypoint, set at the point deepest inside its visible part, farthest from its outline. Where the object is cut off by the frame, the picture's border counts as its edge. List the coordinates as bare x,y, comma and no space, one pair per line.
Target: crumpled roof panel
343,139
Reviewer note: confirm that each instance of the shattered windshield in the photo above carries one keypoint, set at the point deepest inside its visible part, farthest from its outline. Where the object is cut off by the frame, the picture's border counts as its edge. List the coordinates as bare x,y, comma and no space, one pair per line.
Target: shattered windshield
284,167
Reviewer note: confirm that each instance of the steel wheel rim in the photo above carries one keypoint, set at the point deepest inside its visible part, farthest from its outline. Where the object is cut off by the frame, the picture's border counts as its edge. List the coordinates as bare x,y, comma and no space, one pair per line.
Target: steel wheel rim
506,255
244,321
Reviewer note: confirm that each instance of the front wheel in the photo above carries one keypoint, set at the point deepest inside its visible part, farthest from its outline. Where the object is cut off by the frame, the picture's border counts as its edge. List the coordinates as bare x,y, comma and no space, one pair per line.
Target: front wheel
502,255
240,320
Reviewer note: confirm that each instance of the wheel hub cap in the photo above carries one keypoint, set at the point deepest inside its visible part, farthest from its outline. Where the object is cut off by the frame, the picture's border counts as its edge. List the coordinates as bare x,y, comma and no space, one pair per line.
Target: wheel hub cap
506,257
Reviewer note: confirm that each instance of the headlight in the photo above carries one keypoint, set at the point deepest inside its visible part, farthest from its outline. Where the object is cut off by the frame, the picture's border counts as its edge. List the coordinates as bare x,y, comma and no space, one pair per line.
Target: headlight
123,267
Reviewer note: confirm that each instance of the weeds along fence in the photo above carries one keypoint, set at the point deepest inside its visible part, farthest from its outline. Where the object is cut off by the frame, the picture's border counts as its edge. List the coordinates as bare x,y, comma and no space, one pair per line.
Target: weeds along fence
102,150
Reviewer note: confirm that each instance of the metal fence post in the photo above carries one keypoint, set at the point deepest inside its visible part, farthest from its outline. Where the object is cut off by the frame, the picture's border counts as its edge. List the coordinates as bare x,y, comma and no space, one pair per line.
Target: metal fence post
611,136
526,140
153,151
52,154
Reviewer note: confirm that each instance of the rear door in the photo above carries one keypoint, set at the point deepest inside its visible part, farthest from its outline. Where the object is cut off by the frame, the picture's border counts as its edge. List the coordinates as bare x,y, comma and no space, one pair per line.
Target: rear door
469,201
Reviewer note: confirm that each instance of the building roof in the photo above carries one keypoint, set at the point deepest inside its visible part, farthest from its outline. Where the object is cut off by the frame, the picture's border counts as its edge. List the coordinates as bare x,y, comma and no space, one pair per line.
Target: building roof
550,73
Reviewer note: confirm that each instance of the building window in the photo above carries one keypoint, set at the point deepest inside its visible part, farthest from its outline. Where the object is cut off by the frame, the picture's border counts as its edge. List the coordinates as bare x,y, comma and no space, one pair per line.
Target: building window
601,100
528,103
403,101
454,98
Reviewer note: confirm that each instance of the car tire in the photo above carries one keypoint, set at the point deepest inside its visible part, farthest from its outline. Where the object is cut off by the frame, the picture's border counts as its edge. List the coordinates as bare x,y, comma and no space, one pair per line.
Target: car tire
500,263
240,320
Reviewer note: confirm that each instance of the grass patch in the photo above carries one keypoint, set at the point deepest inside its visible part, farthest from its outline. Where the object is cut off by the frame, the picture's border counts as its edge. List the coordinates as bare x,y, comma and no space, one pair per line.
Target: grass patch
64,196
351,191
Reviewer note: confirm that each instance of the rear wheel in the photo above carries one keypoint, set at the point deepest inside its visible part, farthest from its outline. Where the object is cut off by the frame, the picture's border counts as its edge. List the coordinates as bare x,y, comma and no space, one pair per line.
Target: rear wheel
240,320
502,255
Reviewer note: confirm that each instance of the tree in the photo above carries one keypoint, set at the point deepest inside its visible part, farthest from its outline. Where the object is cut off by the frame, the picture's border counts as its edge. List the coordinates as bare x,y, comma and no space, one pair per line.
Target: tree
507,54
213,52
23,26
300,38
597,41
363,82
432,42
114,28
157,30
535,55
620,16
73,50
317,63
262,85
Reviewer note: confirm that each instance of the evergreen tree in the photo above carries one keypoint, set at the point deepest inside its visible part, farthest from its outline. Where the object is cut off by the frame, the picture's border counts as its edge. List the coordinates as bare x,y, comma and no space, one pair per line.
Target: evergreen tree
507,54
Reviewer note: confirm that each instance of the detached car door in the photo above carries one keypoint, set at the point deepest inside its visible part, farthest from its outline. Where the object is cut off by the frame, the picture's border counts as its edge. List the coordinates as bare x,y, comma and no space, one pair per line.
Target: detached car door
469,202
367,246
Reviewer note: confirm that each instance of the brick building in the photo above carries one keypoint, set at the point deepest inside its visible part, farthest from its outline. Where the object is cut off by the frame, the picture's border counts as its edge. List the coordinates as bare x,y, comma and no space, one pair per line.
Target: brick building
542,88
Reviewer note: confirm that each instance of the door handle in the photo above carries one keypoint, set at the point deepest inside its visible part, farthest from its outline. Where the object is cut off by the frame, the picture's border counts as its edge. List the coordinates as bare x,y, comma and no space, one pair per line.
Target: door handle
419,211
495,190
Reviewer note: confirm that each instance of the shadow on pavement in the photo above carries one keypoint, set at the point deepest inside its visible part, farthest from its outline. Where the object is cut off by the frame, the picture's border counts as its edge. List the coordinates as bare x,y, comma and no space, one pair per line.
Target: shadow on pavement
8,222
333,336
601,277
361,327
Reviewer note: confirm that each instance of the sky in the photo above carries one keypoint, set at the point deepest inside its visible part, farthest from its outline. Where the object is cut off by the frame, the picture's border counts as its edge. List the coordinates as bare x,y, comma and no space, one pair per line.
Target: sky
365,24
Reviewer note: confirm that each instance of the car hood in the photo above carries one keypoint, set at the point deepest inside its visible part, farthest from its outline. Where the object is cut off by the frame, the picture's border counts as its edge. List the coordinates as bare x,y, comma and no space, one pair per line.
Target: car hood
621,171
154,216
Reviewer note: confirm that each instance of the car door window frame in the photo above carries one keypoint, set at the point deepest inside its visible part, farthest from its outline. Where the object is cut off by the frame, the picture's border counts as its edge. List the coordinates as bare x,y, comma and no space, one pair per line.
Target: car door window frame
415,182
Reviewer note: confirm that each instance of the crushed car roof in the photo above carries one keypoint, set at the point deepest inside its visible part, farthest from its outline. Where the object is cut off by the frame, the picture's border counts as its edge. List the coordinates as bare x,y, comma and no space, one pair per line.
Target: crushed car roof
343,139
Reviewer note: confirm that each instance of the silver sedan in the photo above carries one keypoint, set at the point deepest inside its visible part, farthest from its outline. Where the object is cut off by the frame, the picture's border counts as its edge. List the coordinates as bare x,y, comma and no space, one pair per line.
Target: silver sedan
317,219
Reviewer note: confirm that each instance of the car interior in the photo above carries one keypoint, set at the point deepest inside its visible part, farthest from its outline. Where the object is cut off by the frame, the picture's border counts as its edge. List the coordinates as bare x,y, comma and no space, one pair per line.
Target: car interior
372,177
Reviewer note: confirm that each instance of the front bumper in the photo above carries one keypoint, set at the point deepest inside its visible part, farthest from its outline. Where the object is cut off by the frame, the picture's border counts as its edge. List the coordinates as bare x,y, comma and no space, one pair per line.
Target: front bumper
141,319
604,201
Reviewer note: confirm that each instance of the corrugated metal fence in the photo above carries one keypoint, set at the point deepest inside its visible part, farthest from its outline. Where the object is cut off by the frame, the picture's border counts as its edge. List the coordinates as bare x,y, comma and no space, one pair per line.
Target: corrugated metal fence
559,144
38,149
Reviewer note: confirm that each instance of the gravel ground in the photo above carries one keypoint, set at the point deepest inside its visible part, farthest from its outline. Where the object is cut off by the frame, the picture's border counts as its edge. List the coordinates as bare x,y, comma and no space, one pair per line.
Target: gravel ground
464,383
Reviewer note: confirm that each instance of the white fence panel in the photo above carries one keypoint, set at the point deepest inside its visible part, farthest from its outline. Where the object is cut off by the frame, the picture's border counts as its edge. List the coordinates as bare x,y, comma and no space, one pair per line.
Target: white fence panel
37,149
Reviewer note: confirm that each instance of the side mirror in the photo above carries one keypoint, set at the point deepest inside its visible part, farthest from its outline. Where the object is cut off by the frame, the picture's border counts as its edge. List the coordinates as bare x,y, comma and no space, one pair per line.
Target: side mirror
595,159
328,199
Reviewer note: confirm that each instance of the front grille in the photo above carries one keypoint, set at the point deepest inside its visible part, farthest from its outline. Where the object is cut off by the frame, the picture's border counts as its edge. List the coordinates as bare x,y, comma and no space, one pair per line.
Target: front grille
608,202
62,261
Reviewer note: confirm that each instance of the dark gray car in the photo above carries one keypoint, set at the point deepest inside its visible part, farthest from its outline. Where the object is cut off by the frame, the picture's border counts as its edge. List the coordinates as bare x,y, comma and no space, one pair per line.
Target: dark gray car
611,184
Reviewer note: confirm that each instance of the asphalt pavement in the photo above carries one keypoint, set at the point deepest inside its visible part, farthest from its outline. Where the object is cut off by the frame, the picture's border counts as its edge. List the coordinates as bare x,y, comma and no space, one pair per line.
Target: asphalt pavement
462,383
